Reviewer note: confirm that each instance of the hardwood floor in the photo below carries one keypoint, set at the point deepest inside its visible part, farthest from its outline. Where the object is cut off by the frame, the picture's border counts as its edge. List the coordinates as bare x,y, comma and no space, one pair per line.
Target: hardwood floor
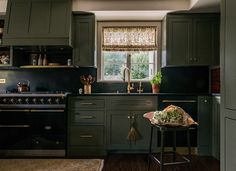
138,162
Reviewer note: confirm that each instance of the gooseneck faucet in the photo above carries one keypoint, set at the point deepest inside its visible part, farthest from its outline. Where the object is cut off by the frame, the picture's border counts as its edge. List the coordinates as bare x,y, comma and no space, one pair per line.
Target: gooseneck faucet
129,87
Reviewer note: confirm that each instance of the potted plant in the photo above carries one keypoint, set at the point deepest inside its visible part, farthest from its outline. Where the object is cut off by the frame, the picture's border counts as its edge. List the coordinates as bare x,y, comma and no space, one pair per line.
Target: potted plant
156,81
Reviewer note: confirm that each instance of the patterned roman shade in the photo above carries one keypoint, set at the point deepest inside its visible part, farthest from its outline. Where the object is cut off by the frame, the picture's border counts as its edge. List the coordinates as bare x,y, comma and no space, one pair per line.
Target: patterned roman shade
130,38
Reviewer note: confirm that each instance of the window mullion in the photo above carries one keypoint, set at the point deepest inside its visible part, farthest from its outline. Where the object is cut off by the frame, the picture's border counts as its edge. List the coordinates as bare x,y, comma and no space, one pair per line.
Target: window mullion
129,60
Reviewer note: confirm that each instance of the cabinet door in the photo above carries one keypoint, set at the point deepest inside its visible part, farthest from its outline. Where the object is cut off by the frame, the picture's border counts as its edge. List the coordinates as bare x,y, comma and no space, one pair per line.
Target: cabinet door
205,41
84,38
205,125
118,126
17,18
143,127
179,40
216,127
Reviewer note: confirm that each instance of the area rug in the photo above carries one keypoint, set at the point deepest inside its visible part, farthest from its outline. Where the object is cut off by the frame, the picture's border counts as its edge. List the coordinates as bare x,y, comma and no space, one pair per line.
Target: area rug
51,164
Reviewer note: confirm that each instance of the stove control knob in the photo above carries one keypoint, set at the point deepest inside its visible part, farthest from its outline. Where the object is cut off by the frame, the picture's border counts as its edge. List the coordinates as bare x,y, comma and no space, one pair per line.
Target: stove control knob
57,100
42,100
49,100
12,101
4,100
19,101
34,100
27,100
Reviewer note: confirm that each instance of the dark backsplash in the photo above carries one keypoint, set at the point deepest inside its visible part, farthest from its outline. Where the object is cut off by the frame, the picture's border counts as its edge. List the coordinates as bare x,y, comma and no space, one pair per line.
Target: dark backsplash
188,79
175,80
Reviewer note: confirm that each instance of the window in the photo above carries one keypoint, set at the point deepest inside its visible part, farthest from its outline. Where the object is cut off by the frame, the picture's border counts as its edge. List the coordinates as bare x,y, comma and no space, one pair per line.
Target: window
128,44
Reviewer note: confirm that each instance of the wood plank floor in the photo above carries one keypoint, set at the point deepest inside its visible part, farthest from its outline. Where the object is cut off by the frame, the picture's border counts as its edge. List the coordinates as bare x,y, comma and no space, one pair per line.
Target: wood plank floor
138,162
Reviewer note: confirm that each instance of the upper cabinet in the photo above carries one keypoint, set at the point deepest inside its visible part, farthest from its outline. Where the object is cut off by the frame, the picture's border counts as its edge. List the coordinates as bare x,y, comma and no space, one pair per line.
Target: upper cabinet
191,39
5,51
84,39
38,22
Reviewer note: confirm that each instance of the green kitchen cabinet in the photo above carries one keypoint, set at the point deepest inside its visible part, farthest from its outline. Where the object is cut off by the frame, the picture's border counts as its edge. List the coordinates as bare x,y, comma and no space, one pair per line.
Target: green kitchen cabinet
5,51
86,126
191,39
84,39
123,112
216,126
38,22
228,82
205,125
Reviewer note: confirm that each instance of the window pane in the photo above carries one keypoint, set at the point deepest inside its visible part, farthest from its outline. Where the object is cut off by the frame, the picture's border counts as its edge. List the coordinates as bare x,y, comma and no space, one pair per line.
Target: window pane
113,63
142,65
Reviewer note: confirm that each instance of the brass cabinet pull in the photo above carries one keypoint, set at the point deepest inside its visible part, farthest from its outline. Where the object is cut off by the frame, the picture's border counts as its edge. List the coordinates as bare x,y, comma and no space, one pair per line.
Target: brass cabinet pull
86,136
87,103
128,117
86,117
179,101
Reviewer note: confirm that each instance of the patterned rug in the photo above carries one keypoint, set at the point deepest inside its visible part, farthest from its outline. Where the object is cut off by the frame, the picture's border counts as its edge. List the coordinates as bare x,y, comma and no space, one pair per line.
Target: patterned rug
51,164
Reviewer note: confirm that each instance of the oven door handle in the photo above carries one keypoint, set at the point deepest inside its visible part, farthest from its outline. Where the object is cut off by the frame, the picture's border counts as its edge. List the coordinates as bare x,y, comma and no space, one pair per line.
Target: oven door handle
14,110
47,110
14,126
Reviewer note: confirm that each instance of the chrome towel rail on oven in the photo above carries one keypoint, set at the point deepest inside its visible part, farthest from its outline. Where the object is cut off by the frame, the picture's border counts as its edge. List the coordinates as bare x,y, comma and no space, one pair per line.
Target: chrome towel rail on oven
14,126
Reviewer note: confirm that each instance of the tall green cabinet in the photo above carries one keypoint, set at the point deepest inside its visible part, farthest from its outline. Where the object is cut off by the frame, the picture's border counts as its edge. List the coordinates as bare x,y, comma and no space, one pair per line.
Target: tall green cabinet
228,82
84,39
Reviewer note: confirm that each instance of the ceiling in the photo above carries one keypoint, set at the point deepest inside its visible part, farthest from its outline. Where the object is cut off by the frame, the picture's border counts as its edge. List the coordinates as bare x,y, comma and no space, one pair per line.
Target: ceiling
142,9
137,9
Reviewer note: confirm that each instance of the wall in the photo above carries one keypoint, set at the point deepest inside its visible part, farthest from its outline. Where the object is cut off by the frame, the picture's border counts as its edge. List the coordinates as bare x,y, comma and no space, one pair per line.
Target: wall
175,80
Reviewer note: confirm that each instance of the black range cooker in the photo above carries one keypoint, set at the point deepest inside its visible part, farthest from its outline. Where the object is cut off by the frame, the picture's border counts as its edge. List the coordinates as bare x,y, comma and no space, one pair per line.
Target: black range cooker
33,124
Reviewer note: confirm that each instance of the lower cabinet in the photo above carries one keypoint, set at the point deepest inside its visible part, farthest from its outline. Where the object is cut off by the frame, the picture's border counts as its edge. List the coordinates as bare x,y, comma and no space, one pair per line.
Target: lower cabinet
205,125
216,127
86,126
127,129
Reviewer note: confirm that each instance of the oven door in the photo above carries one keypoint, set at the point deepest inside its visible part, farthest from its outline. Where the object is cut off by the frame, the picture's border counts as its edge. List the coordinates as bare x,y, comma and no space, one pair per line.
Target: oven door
32,132
15,129
48,128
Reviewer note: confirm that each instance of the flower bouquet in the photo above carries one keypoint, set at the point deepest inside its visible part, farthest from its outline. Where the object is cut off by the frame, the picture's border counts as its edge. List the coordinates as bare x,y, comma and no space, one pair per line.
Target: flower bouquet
87,80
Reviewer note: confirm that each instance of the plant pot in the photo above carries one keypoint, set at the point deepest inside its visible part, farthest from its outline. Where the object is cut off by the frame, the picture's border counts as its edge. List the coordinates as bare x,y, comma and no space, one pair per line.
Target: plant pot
155,88
87,89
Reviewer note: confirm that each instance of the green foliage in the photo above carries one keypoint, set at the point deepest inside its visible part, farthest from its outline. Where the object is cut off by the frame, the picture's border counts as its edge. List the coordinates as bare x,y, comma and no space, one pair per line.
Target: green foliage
156,78
139,66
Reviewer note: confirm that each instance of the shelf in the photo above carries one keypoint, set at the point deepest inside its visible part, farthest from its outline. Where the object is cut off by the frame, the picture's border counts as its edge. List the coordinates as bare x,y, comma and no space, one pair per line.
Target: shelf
48,66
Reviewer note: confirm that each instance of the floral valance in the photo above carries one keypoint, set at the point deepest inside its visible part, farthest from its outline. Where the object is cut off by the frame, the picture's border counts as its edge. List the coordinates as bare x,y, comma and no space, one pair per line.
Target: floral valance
129,38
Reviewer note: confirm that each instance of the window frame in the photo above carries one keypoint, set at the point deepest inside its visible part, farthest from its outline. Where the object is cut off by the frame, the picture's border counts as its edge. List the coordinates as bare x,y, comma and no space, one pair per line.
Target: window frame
101,24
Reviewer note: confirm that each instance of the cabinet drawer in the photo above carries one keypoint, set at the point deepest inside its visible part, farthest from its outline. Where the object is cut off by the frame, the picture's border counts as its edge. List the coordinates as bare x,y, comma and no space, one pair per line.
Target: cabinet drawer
86,135
132,103
86,103
90,116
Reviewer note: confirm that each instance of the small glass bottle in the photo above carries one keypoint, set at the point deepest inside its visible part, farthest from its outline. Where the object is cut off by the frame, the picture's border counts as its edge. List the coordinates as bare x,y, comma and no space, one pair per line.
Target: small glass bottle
40,60
45,60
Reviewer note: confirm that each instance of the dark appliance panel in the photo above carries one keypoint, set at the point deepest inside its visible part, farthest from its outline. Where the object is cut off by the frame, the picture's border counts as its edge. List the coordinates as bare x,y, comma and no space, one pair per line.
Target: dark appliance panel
188,79
189,104
15,129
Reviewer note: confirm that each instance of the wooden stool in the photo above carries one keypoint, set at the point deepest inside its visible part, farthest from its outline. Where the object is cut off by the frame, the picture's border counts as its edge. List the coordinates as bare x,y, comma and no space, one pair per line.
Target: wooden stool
160,161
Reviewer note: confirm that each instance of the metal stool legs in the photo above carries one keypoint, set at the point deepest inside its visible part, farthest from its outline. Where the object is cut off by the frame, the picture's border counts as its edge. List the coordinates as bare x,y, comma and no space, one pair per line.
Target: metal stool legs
162,130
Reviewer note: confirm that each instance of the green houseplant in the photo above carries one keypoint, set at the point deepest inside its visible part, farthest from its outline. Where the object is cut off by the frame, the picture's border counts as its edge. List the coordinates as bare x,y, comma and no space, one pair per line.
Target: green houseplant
156,81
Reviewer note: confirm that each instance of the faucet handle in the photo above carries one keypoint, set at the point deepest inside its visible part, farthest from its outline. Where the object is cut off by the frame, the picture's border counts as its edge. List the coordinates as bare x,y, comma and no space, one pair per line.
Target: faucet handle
140,89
